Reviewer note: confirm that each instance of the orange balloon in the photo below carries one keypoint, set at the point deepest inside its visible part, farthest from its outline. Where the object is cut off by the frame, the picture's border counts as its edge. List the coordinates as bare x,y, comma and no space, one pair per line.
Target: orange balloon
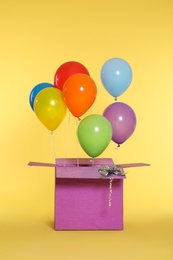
79,93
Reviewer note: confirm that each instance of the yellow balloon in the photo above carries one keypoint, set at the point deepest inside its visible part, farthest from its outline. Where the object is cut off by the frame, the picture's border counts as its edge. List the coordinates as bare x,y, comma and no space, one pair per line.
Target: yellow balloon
50,107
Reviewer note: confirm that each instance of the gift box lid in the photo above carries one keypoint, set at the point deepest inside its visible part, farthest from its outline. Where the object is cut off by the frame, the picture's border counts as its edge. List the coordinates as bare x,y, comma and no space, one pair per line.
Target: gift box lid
83,168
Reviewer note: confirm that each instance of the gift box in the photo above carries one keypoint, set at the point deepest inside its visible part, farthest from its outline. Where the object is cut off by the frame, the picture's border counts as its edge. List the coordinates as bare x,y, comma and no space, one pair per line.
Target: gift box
84,199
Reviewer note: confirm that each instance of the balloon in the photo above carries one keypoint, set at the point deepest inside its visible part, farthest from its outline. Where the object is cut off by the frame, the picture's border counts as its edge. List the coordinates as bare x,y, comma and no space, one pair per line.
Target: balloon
50,107
36,90
116,76
94,134
79,93
66,70
122,119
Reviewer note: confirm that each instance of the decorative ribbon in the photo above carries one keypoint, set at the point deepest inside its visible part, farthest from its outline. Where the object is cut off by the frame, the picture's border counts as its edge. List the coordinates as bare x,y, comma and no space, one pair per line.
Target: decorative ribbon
110,192
105,170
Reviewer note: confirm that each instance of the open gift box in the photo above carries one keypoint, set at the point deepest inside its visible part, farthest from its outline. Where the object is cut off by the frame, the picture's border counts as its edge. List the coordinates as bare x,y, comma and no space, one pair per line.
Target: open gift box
84,199
82,196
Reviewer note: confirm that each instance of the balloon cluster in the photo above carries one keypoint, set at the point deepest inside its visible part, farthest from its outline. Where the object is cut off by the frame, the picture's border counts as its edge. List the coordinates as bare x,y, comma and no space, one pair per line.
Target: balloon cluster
75,90
116,76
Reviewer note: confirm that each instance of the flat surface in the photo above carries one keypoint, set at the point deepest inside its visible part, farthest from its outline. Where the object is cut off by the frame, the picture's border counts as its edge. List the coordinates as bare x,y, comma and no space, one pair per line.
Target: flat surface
31,236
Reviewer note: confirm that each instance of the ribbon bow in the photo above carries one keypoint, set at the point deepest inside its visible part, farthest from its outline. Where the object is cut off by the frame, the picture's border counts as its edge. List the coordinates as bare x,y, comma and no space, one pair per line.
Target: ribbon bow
113,169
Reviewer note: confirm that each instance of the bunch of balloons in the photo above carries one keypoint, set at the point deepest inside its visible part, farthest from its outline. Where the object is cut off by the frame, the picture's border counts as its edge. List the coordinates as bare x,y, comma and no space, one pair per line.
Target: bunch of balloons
75,90
116,76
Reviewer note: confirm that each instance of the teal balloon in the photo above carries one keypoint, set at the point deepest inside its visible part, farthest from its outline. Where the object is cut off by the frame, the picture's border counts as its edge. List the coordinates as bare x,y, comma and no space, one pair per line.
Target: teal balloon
116,76
94,133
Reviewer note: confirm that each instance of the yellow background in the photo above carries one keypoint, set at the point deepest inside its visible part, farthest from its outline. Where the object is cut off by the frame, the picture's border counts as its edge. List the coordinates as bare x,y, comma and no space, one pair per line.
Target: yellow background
36,37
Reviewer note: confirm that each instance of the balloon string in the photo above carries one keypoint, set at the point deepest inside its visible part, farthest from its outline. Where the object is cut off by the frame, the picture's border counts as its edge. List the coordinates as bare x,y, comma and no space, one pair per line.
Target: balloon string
53,145
110,192
77,144
67,139
116,149
92,161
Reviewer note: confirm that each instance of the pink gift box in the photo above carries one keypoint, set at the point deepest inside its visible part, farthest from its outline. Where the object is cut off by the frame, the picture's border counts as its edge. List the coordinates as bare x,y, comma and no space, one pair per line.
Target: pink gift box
83,196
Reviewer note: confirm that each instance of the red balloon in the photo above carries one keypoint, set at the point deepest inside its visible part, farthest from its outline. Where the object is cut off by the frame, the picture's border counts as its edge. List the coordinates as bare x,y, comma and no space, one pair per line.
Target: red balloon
66,70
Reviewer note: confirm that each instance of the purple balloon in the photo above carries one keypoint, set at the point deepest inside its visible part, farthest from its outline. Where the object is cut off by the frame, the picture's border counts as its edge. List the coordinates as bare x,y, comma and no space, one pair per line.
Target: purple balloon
122,119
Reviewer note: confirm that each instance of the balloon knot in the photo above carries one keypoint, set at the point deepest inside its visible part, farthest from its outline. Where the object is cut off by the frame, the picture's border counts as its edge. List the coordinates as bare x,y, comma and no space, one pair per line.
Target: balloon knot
116,98
79,119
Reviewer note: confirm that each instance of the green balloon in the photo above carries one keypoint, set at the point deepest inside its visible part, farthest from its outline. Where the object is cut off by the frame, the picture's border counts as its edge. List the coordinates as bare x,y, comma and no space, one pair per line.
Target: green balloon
94,134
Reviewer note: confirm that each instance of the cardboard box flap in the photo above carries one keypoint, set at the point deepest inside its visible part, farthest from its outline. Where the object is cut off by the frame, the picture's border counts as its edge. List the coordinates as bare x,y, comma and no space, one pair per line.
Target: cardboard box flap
82,168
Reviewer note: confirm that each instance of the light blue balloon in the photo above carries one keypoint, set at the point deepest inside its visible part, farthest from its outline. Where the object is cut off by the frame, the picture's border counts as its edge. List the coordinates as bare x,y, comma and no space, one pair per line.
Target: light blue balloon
116,76
36,90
